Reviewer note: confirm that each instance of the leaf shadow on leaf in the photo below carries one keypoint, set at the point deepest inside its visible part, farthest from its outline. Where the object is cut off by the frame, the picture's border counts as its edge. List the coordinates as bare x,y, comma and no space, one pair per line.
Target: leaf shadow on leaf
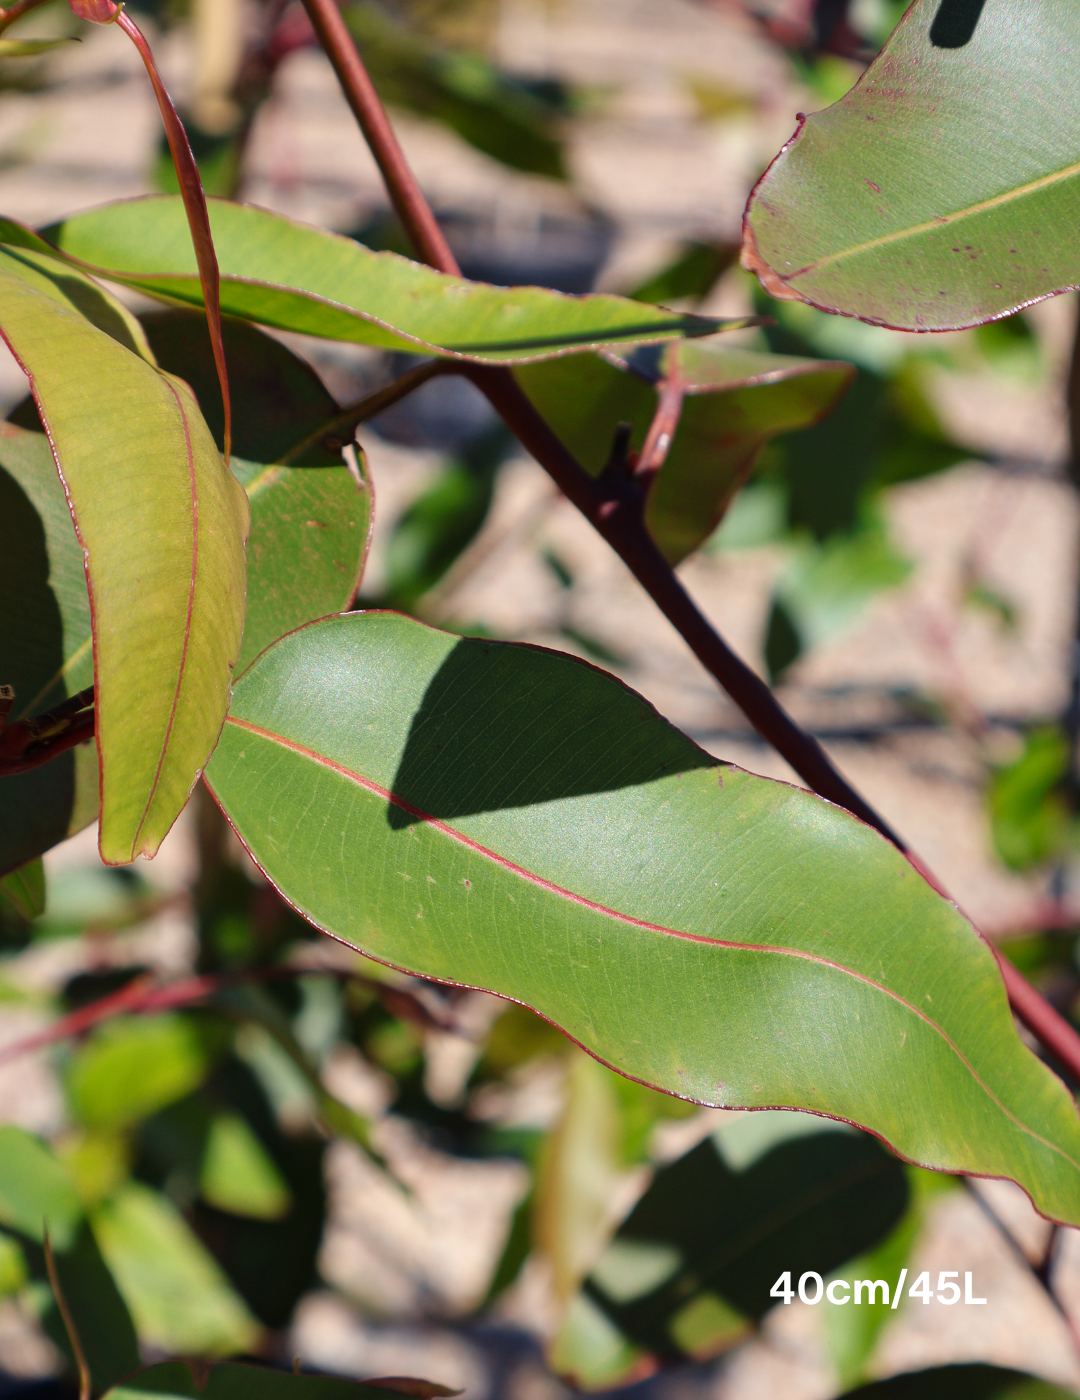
473,746
36,807
955,23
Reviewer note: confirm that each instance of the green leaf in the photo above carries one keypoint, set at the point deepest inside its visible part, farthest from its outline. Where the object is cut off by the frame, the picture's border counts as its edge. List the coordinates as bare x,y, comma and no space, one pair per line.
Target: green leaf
688,1273
736,401
35,1190
133,1066
238,1174
13,1274
29,48
45,644
714,934
968,1382
294,277
177,1294
23,891
941,191
173,1380
1030,815
163,525
310,525
576,1174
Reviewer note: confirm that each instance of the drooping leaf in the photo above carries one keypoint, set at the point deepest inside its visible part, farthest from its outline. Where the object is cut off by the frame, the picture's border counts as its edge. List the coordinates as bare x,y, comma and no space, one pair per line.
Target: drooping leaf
294,277
519,821
163,525
29,48
35,1190
941,191
688,1273
173,1380
45,645
310,524
967,1382
576,1174
23,891
736,401
176,1293
134,1065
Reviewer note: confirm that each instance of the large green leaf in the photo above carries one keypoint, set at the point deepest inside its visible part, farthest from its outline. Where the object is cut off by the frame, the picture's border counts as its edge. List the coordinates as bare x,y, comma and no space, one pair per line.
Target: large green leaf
510,818
230,1381
299,278
163,525
178,1296
689,1271
736,401
35,1190
941,191
45,645
968,1382
311,524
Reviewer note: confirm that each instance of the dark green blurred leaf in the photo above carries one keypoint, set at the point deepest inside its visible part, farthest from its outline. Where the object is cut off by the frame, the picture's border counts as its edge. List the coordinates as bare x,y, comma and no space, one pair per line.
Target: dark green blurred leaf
465,91
693,273
970,1382
22,893
688,1273
1030,819
135,1065
177,1294
44,642
35,1190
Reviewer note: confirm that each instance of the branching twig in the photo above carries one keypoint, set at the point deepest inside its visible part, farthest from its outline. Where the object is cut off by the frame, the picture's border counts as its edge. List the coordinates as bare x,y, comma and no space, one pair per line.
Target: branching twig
28,743
622,526
85,1387
662,429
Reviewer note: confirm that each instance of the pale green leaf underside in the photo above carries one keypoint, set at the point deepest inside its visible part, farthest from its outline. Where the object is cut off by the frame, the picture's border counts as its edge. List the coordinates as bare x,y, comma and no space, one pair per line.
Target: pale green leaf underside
732,940
942,190
298,278
163,525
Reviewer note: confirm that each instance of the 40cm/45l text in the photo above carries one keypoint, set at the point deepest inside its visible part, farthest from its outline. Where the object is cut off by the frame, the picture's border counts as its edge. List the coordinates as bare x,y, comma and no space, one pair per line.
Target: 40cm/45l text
812,1288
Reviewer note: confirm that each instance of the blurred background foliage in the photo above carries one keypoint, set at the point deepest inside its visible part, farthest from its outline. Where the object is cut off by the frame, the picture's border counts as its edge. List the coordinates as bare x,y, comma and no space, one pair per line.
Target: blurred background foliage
187,1191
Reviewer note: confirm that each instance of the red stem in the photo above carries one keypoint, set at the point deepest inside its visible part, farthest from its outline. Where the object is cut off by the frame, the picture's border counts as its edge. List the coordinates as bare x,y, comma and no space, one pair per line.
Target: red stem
619,520
194,197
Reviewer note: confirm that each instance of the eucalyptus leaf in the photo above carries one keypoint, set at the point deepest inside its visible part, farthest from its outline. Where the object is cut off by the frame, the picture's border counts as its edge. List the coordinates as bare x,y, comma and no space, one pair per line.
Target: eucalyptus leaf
23,891
298,278
941,191
35,1190
968,1382
133,1066
174,1380
45,644
509,818
163,525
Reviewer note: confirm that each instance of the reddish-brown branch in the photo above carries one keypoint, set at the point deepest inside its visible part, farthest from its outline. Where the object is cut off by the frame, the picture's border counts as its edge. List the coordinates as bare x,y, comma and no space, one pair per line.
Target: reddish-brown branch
29,743
618,518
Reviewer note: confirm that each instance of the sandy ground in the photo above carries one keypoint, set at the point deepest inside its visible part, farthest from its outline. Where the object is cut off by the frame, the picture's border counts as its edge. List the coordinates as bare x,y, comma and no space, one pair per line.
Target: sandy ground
646,160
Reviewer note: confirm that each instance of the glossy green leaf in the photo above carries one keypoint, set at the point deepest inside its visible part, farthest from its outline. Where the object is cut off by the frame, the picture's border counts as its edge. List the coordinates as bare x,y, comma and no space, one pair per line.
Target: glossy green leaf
736,401
941,191
173,1380
733,940
133,1066
688,1273
35,1190
969,1382
289,275
45,645
238,1175
23,891
177,1294
310,525
163,524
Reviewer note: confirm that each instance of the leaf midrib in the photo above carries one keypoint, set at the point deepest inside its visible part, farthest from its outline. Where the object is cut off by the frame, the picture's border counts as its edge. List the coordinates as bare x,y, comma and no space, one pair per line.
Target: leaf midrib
502,862
939,222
